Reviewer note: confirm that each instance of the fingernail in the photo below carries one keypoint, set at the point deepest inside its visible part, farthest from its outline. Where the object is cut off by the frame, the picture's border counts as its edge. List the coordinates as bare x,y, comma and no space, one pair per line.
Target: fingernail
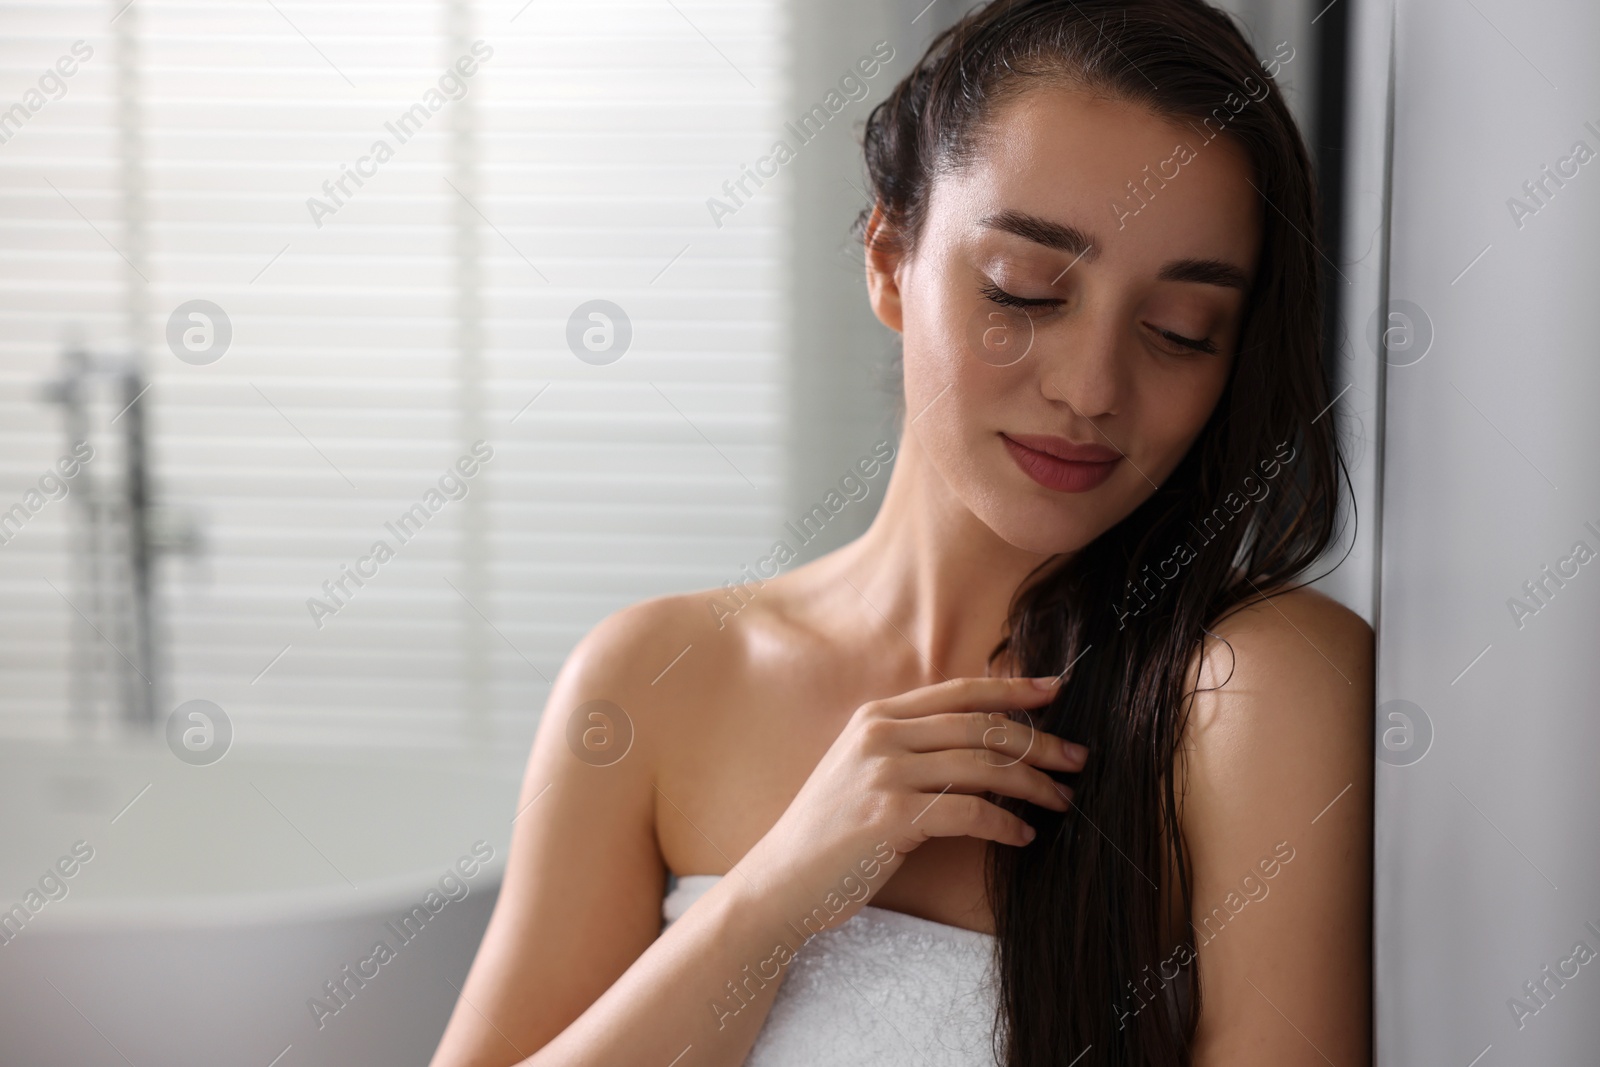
1076,751
1046,683
1029,833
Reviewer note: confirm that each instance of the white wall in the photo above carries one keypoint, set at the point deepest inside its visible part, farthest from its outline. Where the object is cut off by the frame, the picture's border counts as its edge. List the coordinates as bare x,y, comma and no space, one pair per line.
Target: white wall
1487,865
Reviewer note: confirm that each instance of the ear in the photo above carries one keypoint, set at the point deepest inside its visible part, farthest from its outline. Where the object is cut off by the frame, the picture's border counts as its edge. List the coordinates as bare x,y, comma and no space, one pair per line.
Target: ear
883,263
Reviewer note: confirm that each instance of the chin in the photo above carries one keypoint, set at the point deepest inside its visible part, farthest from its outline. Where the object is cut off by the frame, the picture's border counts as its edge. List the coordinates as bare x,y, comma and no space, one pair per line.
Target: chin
1036,520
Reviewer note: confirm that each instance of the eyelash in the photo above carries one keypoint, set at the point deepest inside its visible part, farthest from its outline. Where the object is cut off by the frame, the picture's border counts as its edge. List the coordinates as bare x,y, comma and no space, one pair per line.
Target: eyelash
1005,299
1202,345
1011,300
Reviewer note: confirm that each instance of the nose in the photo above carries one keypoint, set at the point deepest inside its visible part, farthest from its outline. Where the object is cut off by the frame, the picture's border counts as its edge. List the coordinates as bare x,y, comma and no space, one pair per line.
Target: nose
1083,368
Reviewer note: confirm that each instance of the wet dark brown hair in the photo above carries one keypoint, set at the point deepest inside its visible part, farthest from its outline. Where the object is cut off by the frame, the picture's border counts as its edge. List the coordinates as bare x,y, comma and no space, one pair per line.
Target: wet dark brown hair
1083,961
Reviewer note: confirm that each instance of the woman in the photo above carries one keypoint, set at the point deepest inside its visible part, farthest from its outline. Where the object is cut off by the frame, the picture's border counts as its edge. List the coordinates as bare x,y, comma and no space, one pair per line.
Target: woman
1093,229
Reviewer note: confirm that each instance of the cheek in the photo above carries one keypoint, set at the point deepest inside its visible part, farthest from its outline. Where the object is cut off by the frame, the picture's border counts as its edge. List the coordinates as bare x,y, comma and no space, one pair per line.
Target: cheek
932,355
946,402
946,386
955,402
1175,411
938,302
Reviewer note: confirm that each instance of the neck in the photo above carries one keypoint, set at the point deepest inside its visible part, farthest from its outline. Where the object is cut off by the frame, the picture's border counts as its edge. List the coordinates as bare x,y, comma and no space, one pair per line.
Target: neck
931,569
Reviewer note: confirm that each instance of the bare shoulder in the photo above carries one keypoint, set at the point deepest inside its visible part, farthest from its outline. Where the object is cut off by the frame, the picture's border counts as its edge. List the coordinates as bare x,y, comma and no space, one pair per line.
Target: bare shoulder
638,678
625,642
679,666
1281,704
638,656
1280,635
581,895
708,631
1279,726
1275,784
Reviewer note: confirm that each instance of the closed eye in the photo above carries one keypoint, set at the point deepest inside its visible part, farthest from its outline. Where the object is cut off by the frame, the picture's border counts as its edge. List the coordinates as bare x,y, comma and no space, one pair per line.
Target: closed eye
1011,300
1000,296
1204,344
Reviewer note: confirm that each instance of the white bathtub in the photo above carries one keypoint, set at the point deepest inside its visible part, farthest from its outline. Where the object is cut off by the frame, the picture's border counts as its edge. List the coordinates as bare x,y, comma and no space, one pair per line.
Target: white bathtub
220,902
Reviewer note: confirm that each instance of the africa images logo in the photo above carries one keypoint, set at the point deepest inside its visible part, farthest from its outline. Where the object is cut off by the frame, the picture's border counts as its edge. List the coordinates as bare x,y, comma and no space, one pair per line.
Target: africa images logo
805,129
451,85
452,886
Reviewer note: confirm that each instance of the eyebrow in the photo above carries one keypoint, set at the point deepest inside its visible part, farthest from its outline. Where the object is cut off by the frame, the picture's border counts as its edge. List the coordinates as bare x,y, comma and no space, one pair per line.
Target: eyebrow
1206,271
1070,239
1055,235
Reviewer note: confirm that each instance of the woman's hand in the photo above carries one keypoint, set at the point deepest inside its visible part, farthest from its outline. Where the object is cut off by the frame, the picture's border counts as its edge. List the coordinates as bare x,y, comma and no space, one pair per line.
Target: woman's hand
905,769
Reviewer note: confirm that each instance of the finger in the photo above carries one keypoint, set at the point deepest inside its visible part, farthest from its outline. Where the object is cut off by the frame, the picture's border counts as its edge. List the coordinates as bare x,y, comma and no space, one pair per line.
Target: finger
966,770
966,694
965,815
1010,741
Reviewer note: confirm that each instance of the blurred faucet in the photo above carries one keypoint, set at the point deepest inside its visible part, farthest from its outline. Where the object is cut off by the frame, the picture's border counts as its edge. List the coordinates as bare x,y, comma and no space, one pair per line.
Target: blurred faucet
115,537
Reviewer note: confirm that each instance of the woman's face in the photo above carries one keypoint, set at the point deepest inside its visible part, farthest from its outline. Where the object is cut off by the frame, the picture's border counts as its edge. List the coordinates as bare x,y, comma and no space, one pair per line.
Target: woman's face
1134,305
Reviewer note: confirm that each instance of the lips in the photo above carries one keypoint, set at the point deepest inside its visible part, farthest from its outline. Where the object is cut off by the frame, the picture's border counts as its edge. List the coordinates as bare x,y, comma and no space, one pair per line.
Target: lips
1059,464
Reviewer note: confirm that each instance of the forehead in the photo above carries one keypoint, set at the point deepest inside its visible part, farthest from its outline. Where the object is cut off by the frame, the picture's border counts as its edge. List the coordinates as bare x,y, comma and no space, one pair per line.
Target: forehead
1146,188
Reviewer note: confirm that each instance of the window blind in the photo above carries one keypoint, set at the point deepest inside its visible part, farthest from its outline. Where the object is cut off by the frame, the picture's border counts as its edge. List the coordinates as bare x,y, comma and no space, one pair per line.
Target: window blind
396,316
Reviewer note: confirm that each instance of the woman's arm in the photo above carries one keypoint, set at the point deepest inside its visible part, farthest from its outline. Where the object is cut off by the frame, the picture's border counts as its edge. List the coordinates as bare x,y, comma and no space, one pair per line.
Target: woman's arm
570,969
1277,812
